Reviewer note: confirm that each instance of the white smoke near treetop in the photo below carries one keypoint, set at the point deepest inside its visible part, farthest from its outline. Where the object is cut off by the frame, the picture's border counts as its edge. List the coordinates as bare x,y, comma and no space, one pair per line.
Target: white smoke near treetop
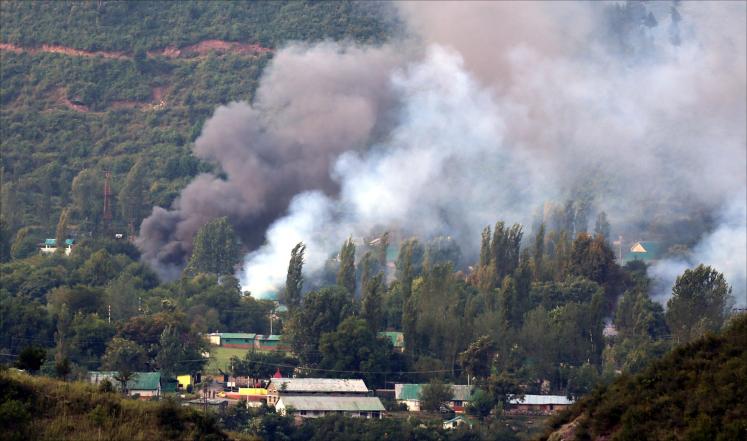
490,110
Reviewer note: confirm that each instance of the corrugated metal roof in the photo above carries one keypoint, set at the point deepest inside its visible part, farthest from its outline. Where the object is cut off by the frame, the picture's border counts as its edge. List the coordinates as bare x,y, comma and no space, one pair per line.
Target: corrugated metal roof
542,399
397,338
318,385
237,335
139,380
144,381
407,391
344,404
461,392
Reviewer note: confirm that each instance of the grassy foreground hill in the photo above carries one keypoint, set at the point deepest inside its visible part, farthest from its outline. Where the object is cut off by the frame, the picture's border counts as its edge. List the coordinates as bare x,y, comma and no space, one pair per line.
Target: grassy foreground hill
41,408
697,392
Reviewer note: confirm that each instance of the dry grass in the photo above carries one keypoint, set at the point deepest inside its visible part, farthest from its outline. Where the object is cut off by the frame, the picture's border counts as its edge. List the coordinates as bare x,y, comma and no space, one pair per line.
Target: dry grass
56,410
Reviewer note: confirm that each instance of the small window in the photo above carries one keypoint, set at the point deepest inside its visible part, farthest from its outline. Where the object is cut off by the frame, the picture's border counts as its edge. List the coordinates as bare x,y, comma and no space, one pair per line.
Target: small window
302,413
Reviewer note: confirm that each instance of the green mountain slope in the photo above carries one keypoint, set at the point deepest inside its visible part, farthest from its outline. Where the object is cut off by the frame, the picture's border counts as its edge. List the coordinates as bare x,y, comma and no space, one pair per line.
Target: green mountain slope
697,392
68,108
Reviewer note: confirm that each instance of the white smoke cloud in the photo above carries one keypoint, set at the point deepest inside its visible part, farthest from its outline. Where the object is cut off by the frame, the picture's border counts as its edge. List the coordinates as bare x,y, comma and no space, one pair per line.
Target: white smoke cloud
485,132
723,249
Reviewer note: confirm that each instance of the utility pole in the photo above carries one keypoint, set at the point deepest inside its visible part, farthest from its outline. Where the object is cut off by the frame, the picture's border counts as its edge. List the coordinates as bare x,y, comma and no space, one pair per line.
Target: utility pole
109,308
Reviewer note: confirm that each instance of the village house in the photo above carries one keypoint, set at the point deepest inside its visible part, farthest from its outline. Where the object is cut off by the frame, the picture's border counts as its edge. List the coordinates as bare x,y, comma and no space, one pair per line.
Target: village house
539,404
409,395
311,387
396,338
143,384
457,421
244,340
319,406
645,251
50,246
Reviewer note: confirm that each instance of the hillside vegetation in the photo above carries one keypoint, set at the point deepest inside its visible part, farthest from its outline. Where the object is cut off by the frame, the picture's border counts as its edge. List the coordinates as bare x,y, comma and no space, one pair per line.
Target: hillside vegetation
696,392
40,408
69,114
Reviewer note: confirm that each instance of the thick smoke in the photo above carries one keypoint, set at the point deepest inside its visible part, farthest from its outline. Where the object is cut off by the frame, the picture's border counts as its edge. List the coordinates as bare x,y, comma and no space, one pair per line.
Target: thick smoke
723,248
494,122
507,106
313,104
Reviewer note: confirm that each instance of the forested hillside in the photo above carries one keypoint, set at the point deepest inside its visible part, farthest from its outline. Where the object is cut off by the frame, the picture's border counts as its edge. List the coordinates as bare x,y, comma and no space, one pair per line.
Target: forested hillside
70,113
695,392
102,106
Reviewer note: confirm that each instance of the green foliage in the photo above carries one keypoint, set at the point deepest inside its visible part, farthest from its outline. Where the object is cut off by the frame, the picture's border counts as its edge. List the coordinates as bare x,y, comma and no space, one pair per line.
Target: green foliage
353,347
294,280
143,26
696,390
321,311
477,360
700,302
263,364
434,394
371,300
346,272
31,358
180,351
123,355
215,249
53,410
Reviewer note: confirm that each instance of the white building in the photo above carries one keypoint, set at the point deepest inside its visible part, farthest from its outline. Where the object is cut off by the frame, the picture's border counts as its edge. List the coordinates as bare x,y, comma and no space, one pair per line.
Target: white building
319,406
299,387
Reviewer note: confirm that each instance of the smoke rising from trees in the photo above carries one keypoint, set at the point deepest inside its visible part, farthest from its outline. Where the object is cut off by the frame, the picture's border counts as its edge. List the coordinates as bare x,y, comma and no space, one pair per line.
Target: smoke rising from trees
313,104
501,108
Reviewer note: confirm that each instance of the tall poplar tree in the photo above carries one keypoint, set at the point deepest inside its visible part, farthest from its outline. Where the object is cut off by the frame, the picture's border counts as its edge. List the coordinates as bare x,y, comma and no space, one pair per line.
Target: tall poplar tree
346,272
371,301
216,249
294,279
61,231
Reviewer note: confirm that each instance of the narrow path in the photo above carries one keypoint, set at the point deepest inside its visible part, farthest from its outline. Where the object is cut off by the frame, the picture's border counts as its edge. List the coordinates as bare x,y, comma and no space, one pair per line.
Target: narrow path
196,50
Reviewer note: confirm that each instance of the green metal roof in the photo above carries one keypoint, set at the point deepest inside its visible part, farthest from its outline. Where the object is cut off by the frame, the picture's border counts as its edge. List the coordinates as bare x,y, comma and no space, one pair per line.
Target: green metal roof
391,253
139,380
144,381
409,392
237,335
461,392
53,242
169,385
650,251
397,338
